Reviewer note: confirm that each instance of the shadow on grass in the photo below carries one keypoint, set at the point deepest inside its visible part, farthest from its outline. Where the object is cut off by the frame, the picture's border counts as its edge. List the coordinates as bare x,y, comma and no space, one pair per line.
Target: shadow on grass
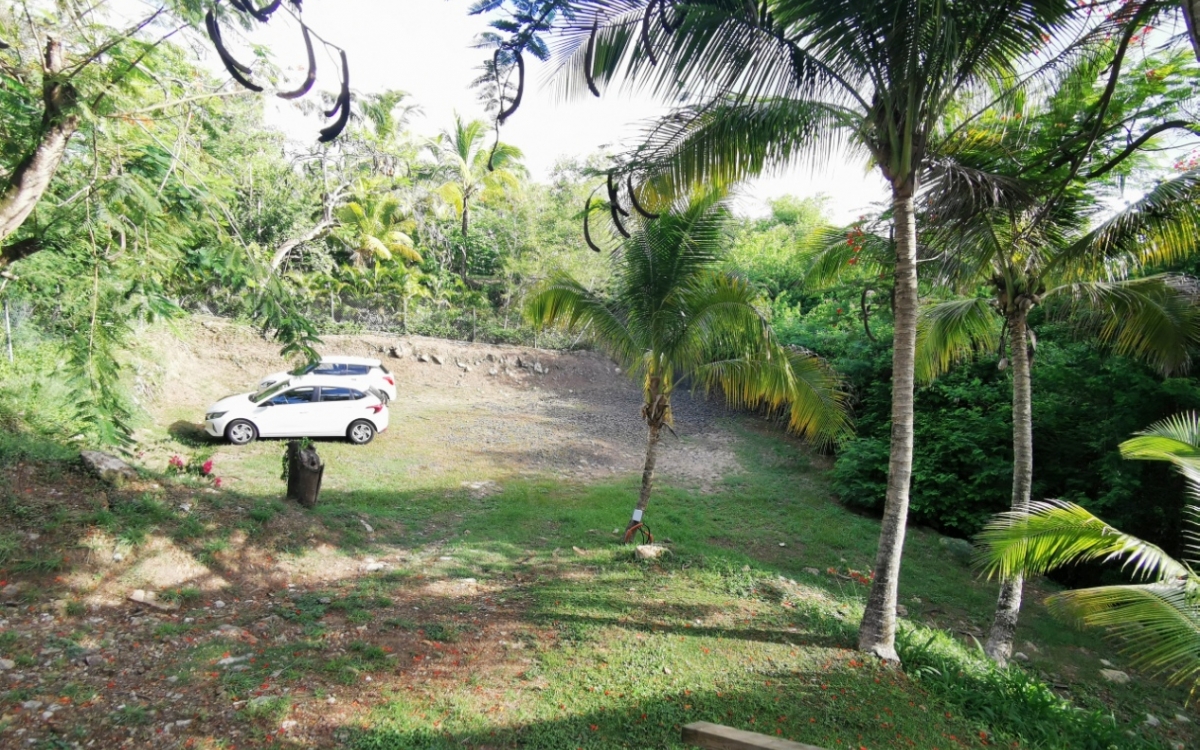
191,434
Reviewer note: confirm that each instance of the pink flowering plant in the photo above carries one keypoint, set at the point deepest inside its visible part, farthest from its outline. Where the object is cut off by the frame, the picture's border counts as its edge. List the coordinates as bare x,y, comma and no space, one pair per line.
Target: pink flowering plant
196,466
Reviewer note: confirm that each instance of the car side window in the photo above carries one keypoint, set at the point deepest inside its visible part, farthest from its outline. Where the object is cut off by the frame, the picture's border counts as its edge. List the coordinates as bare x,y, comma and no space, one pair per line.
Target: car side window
326,368
338,394
358,369
294,396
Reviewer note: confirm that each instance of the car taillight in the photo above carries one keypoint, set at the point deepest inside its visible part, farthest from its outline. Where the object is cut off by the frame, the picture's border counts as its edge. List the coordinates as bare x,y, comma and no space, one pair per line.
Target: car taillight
376,408
390,380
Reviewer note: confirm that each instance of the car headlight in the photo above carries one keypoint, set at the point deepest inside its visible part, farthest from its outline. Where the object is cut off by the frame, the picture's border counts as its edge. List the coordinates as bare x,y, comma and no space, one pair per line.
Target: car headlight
214,415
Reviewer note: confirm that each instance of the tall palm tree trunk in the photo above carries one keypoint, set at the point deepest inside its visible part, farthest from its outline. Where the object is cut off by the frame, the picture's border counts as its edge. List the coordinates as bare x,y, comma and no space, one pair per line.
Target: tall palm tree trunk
877,632
647,474
1008,606
466,223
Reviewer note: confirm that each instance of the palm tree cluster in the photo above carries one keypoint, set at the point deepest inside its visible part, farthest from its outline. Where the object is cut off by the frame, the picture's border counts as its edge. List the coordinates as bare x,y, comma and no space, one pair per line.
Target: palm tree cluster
992,123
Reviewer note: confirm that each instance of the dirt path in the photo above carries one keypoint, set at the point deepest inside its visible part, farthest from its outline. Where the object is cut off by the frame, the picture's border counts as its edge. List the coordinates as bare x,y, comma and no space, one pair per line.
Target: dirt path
498,410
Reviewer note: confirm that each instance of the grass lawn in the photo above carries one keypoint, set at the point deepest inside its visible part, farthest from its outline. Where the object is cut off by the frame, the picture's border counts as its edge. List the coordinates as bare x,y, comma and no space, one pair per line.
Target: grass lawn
513,618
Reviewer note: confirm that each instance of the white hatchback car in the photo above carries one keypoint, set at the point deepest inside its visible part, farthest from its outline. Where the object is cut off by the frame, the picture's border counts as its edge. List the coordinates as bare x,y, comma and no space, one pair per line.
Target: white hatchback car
354,372
304,408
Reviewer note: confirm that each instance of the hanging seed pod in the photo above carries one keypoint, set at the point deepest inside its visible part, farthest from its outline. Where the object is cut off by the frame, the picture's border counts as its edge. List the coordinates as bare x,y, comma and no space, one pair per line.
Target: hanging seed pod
237,70
342,108
589,58
587,235
646,32
516,102
1002,365
637,206
311,78
612,196
262,14
664,8
616,217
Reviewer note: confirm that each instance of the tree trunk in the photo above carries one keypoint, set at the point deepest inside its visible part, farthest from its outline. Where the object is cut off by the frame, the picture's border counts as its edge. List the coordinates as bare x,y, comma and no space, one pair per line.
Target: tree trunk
877,632
30,180
305,472
466,213
647,475
286,248
1008,606
404,314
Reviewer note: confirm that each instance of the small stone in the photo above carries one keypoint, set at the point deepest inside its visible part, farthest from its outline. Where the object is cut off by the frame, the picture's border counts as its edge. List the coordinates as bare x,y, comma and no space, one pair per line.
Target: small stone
1020,656
331,700
6,664
289,725
1031,647
219,604
1152,720
118,557
94,660
1115,676
435,359
1181,719
901,610
183,722
650,551
109,468
375,566
745,568
31,705
1106,662
783,544
493,371
580,552
666,670
812,571
423,358
370,529
325,600
231,660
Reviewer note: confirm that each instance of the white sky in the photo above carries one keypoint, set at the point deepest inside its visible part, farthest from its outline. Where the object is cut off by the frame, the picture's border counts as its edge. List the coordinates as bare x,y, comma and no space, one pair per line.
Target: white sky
424,47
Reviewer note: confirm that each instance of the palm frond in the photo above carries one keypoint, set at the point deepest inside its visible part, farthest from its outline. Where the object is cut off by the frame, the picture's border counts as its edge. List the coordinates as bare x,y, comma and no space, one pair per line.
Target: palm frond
562,300
1157,624
1055,533
1149,318
949,332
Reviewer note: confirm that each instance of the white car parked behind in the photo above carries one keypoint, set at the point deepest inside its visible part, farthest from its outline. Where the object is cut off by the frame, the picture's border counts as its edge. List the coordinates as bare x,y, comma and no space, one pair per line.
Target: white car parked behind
355,372
325,408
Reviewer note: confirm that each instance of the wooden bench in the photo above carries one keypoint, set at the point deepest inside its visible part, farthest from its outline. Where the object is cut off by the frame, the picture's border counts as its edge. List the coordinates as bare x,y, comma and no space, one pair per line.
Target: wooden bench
717,737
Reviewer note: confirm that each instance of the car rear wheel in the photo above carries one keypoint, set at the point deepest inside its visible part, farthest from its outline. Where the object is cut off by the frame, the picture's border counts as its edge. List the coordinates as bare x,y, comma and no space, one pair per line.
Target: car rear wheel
240,432
361,432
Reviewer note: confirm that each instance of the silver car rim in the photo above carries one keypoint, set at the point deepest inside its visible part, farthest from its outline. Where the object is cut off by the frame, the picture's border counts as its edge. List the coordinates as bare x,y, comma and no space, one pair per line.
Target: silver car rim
361,433
241,433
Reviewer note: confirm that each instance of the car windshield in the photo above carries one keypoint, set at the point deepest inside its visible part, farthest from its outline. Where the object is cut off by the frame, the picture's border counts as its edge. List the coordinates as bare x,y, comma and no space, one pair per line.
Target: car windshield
266,393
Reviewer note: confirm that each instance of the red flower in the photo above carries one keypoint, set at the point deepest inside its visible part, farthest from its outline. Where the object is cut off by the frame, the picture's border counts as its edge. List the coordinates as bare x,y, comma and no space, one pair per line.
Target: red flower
206,469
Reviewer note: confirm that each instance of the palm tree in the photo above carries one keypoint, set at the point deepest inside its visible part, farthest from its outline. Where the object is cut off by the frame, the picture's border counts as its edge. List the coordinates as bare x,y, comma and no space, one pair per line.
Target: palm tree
1016,220
788,81
674,316
374,227
472,172
1156,621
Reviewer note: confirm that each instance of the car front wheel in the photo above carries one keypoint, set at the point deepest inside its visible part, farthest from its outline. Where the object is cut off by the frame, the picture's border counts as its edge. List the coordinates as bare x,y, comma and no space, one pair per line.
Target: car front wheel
361,432
240,432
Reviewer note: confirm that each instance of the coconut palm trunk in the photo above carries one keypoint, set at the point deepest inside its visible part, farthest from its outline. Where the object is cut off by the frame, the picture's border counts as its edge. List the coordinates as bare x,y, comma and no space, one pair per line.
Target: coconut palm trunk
655,411
1008,606
877,632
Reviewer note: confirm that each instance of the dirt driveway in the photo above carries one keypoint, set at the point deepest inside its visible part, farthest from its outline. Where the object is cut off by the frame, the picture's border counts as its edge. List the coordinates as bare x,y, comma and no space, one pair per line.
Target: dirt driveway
465,412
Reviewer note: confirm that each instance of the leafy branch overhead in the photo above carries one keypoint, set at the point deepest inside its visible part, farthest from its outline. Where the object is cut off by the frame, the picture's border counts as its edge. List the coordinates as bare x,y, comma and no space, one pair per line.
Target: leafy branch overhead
241,73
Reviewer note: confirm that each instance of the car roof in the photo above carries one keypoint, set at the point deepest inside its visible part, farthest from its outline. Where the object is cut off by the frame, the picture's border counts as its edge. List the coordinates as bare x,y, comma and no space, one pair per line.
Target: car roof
348,360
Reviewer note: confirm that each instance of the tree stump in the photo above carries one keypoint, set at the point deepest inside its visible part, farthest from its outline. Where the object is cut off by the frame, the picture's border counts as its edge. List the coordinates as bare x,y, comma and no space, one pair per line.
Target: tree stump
305,471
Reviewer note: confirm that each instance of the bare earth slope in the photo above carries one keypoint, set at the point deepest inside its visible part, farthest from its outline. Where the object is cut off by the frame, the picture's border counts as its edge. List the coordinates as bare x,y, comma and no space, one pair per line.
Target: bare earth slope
485,411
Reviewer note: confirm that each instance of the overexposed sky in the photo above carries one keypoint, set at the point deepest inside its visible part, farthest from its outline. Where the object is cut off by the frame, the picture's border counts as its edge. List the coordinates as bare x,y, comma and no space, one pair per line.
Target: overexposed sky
424,47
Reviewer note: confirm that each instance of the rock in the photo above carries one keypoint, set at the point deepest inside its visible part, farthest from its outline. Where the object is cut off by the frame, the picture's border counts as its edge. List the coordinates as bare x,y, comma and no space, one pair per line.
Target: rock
519,363
435,359
1181,719
1106,662
812,571
960,549
94,660
1114,675
219,604
6,664
375,566
666,670
233,631
901,610
11,591
490,357
118,557
150,599
423,358
231,660
1032,647
650,551
1020,656
493,371
580,552
396,352
783,544
109,468
537,367
370,529
1152,721
745,568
